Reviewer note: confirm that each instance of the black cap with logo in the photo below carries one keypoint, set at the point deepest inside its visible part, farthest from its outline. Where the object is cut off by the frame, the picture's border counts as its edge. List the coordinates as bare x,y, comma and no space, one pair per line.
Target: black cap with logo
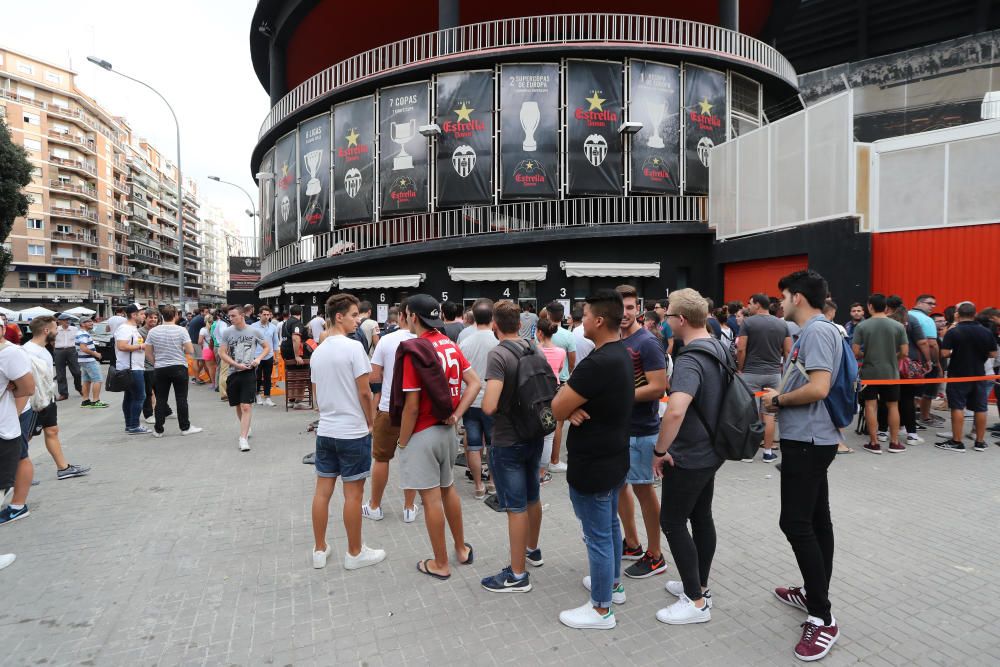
426,308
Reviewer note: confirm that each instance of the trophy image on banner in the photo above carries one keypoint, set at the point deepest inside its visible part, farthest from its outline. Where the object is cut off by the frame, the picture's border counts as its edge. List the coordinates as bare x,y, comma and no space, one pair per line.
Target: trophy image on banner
401,133
656,113
312,160
286,208
530,117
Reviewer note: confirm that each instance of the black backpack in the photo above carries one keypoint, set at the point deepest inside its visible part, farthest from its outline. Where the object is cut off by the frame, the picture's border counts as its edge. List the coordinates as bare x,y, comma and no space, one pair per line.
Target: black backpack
531,410
359,335
740,430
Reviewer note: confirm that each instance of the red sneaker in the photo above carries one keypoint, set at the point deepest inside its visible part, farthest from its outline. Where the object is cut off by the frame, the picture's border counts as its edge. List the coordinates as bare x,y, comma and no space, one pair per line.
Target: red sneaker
817,640
793,596
873,447
896,448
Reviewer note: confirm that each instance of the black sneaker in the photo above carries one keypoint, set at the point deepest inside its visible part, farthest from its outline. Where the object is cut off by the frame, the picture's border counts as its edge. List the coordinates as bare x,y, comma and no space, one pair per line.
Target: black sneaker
647,566
921,427
979,446
506,582
534,557
71,471
950,446
632,553
85,404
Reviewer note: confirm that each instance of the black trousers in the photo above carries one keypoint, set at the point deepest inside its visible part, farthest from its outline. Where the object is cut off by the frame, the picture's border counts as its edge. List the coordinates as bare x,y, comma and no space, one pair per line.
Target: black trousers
163,380
686,495
67,357
907,410
149,378
264,376
805,518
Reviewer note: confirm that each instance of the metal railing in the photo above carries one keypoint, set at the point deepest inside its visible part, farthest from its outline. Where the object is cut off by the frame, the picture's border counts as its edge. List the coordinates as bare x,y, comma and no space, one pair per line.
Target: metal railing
74,237
73,164
481,220
75,261
516,33
74,189
74,213
88,145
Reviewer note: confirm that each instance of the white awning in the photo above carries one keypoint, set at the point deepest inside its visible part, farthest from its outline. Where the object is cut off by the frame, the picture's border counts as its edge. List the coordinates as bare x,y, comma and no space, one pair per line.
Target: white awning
314,287
611,269
270,293
497,273
381,282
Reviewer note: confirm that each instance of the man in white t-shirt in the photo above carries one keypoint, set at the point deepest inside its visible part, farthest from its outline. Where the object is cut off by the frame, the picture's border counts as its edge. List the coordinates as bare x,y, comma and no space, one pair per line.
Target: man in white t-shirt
385,436
117,320
340,371
584,345
130,356
316,326
369,327
17,384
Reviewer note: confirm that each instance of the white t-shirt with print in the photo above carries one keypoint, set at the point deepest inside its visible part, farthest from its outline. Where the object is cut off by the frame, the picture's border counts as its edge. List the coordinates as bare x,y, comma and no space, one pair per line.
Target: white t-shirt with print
124,361
335,366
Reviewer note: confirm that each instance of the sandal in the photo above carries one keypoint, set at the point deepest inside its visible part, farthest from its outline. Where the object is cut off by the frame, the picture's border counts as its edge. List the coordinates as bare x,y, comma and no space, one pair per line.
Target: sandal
422,568
469,558
479,493
849,450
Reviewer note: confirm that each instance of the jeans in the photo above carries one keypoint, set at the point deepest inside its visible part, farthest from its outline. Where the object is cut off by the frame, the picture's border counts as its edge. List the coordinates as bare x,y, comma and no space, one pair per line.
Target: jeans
478,428
686,494
264,376
598,515
63,357
805,518
514,471
163,379
135,394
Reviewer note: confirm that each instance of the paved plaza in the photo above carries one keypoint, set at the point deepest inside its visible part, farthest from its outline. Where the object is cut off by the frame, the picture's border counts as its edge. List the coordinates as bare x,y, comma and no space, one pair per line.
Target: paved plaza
184,551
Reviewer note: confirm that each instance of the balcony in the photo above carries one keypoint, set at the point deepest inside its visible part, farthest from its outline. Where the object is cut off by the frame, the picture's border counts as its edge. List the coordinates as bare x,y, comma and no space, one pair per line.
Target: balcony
82,143
73,214
144,276
121,209
121,228
122,268
21,99
146,259
75,237
168,247
74,165
85,191
121,248
121,185
75,261
119,164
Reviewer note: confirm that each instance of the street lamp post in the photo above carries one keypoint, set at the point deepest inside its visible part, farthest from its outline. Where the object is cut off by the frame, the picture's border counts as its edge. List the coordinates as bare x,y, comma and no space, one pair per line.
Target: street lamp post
104,64
253,208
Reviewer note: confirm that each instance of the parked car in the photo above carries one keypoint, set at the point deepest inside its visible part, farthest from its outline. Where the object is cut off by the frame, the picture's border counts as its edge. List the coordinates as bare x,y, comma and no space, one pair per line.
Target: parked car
101,334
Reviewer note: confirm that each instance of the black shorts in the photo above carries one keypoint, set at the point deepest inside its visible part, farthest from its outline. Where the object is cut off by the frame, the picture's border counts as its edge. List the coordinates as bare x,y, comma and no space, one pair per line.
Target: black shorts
47,417
10,457
241,387
886,393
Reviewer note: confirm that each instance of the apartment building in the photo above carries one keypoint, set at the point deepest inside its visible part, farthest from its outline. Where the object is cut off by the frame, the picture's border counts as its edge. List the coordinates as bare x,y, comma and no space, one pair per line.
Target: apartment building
102,222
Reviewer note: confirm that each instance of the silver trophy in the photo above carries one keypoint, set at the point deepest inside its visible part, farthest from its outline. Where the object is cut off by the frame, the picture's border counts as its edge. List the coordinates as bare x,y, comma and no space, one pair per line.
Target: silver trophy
401,133
313,160
530,117
656,112
286,208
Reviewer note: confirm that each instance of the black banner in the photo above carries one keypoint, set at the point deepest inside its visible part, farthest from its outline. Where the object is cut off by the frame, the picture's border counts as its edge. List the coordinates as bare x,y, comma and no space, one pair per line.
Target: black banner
354,160
244,273
465,145
593,115
704,123
403,155
286,208
529,131
314,185
266,187
654,101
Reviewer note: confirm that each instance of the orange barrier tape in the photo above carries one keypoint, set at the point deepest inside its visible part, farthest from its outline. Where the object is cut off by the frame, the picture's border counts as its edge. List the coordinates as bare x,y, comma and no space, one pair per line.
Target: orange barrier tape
972,378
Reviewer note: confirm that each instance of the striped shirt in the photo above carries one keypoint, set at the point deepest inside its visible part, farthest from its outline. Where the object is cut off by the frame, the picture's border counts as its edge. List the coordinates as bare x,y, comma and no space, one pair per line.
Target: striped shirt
84,338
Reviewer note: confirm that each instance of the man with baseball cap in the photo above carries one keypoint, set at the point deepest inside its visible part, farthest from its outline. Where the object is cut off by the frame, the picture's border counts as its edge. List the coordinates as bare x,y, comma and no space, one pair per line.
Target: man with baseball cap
427,401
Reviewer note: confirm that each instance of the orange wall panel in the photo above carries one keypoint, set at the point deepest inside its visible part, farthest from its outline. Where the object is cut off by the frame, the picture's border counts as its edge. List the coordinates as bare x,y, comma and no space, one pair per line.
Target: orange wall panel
954,264
741,279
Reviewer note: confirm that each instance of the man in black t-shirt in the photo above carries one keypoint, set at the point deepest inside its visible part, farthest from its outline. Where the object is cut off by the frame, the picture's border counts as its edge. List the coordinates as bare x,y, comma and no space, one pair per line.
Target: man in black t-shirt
597,401
294,335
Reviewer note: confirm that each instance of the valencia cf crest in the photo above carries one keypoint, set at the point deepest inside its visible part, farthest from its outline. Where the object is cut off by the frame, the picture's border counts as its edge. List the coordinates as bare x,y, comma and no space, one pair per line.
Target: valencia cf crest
595,147
705,145
463,159
352,182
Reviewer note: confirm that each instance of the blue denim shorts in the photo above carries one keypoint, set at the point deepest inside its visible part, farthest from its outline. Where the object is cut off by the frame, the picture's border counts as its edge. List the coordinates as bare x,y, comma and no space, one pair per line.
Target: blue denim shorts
90,371
514,471
478,429
348,458
640,459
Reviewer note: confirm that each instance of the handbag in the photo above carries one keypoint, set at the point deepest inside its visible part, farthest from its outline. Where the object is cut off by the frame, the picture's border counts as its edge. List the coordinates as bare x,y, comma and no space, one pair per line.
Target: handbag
118,380
910,369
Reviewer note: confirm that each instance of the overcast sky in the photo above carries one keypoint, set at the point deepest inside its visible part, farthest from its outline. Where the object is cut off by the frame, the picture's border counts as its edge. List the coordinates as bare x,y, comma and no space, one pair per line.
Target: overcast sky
196,53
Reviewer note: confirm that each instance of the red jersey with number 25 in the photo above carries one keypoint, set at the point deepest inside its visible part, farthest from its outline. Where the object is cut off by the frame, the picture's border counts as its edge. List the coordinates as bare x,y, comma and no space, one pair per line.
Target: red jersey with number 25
453,363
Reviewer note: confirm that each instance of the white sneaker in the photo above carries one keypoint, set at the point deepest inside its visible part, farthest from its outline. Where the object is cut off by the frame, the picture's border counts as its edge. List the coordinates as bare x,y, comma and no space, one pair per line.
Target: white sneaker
913,438
677,588
684,612
558,467
617,593
373,514
192,430
319,557
883,436
157,435
151,419
268,402
410,515
244,445
367,556
587,618
6,559
260,401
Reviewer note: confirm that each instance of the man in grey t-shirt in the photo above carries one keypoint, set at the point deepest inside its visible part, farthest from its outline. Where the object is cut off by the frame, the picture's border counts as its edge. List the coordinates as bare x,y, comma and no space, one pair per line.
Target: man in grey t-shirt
763,343
478,425
167,347
239,349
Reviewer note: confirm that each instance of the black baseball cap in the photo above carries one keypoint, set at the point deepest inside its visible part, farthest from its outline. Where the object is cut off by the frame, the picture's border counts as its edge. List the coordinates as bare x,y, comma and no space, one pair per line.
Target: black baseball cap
426,308
131,308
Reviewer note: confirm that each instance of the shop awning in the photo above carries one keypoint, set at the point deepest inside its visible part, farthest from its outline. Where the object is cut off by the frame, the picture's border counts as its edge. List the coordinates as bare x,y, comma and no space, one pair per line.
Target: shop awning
270,293
497,273
314,287
611,269
381,282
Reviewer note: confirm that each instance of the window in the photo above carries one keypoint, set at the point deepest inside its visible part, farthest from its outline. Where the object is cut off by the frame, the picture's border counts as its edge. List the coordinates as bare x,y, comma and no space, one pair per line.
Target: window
36,250
60,102
60,128
32,144
46,281
52,77
65,229
31,118
60,153
25,68
26,91
64,252
34,223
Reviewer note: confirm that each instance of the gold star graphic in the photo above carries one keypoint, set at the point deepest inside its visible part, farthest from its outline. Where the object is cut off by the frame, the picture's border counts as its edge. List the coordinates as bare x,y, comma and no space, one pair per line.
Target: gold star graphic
656,160
596,102
706,108
402,181
463,113
284,169
529,166
352,138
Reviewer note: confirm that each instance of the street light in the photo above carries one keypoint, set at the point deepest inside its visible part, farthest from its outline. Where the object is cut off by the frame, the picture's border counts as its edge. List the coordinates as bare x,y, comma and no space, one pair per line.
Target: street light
253,206
104,64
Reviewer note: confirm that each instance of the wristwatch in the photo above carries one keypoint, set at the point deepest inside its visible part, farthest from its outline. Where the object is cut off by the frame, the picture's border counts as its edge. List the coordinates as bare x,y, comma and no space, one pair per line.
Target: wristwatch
774,401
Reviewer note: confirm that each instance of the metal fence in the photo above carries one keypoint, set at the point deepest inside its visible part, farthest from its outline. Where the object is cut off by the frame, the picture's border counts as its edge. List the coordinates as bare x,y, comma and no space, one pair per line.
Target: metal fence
477,220
551,30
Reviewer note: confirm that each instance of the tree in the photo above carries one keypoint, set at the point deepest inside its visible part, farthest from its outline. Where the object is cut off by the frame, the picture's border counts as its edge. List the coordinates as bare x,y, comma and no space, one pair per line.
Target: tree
15,174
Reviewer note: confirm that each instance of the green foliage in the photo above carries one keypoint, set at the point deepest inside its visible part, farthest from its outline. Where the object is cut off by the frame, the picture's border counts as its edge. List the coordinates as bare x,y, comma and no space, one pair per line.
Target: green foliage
15,174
